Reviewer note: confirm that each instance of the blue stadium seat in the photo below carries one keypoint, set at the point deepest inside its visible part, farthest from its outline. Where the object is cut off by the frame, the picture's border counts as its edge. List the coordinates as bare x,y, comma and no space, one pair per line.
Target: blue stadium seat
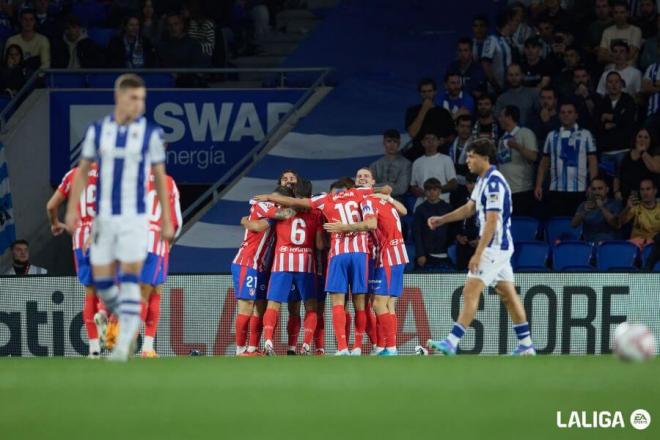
616,255
531,256
572,255
102,80
410,249
646,253
407,226
560,228
451,253
90,12
4,100
524,228
101,36
66,80
158,80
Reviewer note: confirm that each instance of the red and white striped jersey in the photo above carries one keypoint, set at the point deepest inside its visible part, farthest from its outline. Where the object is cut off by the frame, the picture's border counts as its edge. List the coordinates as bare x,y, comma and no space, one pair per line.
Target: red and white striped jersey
391,246
344,207
296,242
156,244
87,205
256,249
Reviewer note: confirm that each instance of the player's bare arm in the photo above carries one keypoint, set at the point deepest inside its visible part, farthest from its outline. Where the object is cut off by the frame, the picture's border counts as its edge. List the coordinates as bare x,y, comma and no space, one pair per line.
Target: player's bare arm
400,207
79,181
284,201
255,225
465,211
320,240
56,200
492,217
160,180
382,189
284,214
369,224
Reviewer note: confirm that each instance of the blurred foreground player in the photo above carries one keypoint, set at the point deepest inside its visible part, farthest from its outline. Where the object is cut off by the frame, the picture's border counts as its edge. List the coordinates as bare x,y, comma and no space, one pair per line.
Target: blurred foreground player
491,262
126,147
80,238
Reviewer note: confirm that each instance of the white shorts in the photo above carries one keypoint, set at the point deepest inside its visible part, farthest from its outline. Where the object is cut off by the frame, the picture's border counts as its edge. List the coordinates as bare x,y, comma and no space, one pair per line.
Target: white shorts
495,266
122,239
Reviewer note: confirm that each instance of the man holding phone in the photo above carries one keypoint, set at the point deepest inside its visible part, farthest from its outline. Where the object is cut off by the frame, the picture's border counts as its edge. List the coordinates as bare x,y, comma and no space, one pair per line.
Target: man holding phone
598,214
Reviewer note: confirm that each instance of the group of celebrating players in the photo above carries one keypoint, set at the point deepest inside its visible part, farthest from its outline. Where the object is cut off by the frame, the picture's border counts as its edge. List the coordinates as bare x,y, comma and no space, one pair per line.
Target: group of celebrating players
123,213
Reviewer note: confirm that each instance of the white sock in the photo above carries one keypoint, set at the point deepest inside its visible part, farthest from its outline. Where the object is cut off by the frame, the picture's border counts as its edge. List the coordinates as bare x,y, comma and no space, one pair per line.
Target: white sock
129,314
94,346
453,339
148,343
378,349
251,349
292,347
391,348
110,297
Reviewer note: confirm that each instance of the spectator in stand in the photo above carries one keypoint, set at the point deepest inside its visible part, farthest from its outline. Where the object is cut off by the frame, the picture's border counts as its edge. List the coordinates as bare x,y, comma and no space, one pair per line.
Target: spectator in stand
200,28
453,99
525,98
497,54
555,14
603,13
516,153
130,49
555,59
563,82
547,36
427,117
623,31
615,121
547,118
75,50
467,235
631,76
523,31
20,254
472,74
47,24
651,88
644,210
35,47
641,162
430,246
536,72
485,126
651,52
152,26
457,152
432,164
13,74
177,49
570,153
598,215
647,21
479,33
392,169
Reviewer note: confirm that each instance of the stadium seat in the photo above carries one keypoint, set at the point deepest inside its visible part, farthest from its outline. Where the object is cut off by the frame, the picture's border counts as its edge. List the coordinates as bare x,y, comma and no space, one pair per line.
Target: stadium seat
616,255
572,255
102,80
560,228
524,228
90,12
451,253
410,250
407,226
158,80
66,80
646,253
4,100
101,36
531,256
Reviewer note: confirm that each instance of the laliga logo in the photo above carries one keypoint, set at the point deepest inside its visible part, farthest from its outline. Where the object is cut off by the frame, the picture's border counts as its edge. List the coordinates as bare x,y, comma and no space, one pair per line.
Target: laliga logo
639,419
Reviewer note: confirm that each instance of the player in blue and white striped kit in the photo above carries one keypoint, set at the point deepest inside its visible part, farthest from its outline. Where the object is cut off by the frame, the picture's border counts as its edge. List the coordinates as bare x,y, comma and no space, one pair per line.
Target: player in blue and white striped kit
126,147
491,263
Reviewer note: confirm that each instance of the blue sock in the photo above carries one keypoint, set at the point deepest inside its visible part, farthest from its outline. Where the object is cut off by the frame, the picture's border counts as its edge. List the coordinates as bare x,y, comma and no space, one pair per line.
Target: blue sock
523,333
129,310
456,334
109,293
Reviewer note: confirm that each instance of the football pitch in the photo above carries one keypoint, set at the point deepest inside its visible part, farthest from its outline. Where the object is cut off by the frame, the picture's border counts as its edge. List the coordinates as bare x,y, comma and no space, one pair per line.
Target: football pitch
322,398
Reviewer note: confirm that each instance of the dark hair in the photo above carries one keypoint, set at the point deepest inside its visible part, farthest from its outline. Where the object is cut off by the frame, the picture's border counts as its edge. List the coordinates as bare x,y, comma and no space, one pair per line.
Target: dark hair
465,40
619,43
72,21
283,190
513,112
502,19
432,183
482,146
17,242
533,42
548,89
481,17
652,144
486,96
450,74
602,178
27,11
125,20
620,3
343,183
288,170
614,72
462,118
425,82
303,188
650,179
10,47
582,67
392,133
568,102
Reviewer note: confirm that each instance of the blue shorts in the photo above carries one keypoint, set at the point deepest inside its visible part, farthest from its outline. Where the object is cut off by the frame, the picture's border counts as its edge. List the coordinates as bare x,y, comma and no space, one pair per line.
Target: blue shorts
372,275
83,267
388,281
348,273
320,288
152,270
285,285
249,284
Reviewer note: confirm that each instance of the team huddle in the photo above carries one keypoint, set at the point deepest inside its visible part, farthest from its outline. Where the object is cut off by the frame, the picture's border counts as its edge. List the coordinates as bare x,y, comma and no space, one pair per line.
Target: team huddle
123,213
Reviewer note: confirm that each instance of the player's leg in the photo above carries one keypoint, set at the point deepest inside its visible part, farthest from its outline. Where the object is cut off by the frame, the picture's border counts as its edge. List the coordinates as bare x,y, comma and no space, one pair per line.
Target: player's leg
244,279
319,333
293,322
383,321
372,323
305,285
508,295
151,322
394,282
278,293
359,279
257,319
359,305
271,317
337,287
89,310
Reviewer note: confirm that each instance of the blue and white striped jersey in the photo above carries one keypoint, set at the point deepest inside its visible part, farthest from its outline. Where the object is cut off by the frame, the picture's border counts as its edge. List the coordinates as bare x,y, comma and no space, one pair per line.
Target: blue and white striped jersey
653,74
492,193
124,154
568,150
498,51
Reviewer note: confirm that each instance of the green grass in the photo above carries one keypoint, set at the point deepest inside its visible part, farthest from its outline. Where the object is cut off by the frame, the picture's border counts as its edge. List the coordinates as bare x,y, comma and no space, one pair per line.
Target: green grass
321,398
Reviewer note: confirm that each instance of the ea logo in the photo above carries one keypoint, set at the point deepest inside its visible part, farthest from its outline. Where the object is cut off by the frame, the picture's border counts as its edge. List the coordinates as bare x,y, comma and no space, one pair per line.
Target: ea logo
640,419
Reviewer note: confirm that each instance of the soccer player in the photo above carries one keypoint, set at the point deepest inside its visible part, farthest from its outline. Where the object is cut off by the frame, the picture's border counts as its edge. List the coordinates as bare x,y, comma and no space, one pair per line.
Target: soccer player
250,271
348,258
491,262
125,146
80,239
154,271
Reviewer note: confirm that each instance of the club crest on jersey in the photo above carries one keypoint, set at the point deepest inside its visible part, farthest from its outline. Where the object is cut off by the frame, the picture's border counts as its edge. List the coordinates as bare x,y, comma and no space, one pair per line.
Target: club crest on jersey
493,197
252,291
